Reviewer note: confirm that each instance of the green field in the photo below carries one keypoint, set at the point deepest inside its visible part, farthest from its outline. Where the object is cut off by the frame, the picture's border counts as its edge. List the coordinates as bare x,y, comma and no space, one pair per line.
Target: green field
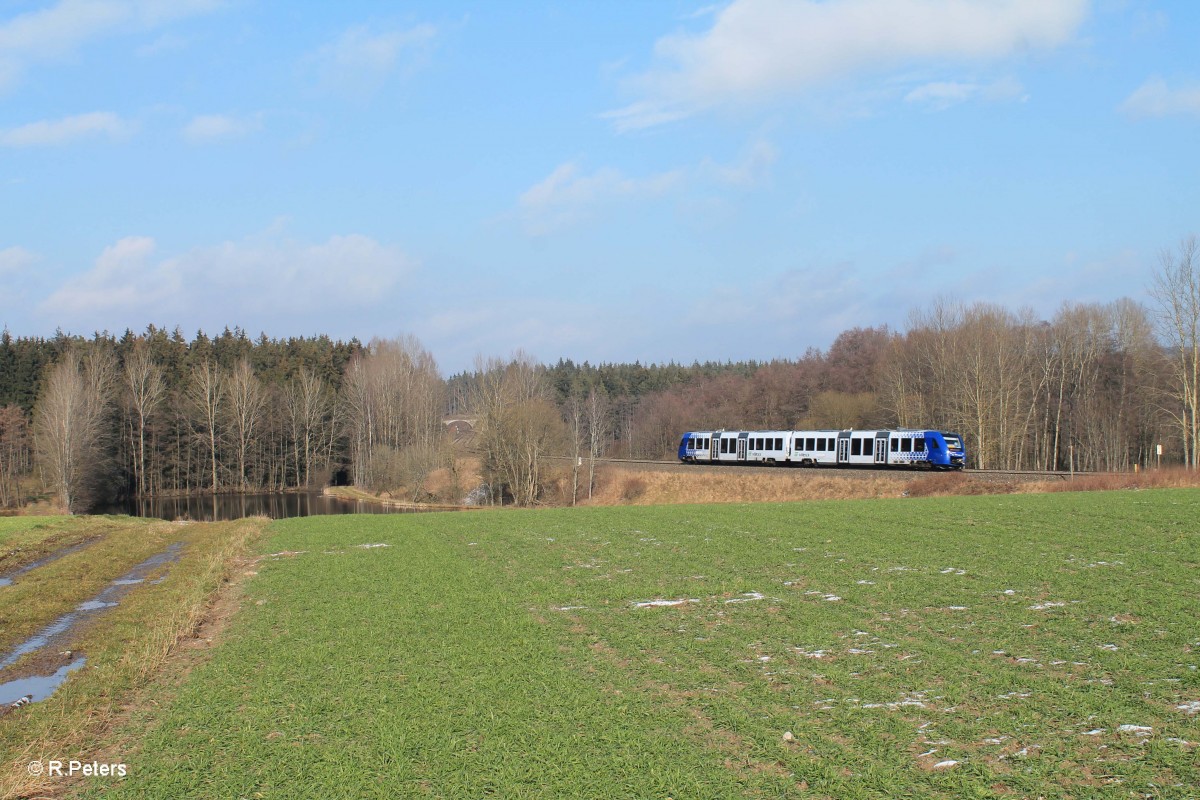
1013,646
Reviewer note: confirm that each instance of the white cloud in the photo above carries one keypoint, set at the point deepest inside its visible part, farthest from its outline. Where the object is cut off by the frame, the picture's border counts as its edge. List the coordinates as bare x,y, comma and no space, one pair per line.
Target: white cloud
56,32
760,49
940,95
567,195
15,260
217,127
1155,99
359,60
66,130
245,282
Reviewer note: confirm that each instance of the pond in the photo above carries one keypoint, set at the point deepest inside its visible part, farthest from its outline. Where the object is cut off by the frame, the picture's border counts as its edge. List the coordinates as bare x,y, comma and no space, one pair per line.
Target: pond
223,507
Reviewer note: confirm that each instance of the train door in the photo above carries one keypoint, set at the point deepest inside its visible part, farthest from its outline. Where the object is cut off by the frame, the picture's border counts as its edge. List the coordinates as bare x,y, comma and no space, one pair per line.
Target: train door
843,448
881,447
741,446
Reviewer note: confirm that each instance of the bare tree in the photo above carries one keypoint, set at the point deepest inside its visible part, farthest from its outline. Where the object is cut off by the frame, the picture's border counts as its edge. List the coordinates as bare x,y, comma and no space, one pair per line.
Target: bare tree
517,425
309,405
245,399
145,391
598,418
206,396
1175,287
70,424
393,398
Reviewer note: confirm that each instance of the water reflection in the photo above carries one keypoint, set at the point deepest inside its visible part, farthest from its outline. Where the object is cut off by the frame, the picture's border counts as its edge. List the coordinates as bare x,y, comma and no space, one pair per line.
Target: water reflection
222,507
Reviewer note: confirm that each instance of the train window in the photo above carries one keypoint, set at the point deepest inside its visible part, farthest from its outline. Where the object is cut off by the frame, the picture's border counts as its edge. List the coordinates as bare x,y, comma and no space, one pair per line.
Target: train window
724,446
812,444
829,444
919,445
895,445
868,447
933,444
757,445
856,447
906,445
778,443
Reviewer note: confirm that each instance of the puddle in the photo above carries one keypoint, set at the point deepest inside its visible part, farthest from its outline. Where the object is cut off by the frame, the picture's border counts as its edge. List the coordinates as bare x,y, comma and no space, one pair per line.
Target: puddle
38,687
41,562
94,605
57,632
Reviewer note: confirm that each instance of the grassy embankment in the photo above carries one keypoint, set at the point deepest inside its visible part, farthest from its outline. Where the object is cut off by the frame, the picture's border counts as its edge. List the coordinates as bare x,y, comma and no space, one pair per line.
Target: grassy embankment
1038,645
125,646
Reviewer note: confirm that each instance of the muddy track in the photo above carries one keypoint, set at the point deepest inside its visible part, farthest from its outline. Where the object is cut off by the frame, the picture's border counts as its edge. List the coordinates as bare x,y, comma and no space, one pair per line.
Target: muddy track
36,667
19,561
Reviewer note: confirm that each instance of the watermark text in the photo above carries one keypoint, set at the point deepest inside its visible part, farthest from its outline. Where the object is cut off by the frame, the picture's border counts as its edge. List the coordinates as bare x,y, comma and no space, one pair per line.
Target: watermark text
54,768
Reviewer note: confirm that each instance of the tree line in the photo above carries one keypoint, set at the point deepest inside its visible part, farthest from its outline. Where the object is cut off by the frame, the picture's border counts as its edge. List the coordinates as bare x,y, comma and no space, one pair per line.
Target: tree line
1095,387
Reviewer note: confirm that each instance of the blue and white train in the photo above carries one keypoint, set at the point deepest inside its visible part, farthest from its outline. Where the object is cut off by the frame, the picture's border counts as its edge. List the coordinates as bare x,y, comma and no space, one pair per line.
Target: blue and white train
899,448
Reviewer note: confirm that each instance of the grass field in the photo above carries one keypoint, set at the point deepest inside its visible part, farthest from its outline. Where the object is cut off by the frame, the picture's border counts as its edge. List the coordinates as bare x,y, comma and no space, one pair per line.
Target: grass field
1011,646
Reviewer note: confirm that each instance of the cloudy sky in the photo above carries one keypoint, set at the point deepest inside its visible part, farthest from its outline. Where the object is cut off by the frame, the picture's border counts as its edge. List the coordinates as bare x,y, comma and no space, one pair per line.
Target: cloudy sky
592,179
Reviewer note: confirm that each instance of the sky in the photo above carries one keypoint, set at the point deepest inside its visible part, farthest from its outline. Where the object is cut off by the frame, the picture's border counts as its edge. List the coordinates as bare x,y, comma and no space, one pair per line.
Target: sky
600,180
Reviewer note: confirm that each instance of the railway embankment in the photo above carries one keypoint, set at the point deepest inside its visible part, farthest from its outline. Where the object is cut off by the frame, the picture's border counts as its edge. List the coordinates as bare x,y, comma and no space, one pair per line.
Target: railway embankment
627,482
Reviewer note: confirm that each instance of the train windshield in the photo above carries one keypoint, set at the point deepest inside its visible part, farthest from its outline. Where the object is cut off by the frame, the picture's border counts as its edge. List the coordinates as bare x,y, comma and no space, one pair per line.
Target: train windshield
953,442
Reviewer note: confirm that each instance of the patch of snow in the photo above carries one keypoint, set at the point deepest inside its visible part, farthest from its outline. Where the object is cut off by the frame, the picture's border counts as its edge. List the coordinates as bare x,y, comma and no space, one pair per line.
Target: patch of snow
1046,605
659,603
812,653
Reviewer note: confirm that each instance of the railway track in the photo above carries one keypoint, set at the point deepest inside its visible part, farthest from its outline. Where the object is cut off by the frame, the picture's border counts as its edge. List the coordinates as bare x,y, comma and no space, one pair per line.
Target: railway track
847,472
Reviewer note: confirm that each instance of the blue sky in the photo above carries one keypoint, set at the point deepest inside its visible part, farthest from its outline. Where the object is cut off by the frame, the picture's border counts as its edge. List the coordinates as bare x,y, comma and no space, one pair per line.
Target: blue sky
604,180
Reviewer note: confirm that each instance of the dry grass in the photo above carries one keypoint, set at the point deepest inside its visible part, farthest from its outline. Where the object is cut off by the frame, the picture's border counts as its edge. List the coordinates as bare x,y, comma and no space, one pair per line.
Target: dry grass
622,486
1170,478
618,485
946,484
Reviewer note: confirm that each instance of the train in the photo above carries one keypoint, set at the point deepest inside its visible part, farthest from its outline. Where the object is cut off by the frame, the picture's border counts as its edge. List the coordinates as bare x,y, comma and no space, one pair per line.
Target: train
911,449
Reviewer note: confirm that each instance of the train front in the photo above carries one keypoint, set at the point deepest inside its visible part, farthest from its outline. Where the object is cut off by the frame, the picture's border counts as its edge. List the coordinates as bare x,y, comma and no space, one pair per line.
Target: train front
687,448
946,450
